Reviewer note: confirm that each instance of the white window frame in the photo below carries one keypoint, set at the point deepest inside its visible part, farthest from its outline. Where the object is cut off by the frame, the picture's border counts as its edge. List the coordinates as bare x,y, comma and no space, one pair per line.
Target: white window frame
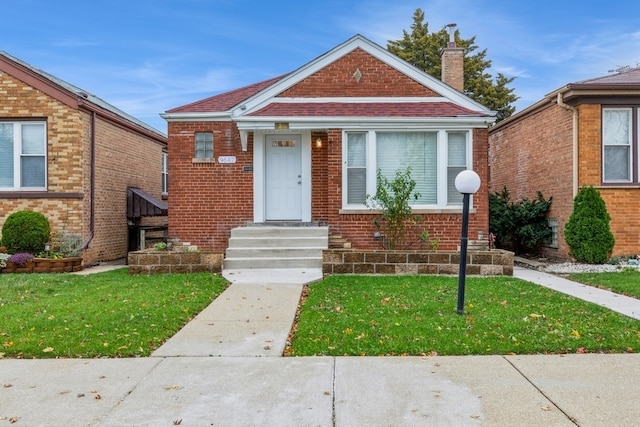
17,156
165,173
629,144
442,162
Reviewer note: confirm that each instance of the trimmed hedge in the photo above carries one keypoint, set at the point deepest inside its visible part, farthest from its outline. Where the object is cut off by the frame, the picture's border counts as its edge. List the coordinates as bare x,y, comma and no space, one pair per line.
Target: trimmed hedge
25,231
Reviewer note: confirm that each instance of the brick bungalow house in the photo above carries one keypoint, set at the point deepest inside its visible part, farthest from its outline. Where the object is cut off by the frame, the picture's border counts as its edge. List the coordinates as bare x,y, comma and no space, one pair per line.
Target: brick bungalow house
304,148
583,134
77,160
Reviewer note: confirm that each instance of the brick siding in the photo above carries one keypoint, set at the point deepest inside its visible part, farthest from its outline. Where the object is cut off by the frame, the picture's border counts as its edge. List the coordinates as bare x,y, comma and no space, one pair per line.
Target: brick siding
535,153
123,158
209,199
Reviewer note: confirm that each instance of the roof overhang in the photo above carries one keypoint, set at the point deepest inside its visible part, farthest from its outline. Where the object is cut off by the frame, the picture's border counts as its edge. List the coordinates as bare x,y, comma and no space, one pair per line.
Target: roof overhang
301,123
140,203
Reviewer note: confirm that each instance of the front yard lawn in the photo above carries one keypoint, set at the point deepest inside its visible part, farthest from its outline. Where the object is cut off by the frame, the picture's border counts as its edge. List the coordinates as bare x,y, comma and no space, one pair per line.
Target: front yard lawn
416,315
110,314
625,282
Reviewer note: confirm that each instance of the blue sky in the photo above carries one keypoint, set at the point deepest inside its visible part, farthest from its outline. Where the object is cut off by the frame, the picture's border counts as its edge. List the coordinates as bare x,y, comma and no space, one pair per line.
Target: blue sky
148,56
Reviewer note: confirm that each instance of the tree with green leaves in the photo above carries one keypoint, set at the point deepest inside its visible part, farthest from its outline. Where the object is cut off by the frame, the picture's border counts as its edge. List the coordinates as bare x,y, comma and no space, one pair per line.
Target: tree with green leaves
422,49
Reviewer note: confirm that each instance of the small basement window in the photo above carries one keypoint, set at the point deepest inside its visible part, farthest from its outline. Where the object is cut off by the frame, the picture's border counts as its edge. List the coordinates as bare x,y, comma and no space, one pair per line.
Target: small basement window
553,241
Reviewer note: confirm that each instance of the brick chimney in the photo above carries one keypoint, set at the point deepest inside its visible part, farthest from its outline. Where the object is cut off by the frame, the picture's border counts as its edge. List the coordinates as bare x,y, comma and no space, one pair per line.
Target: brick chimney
453,62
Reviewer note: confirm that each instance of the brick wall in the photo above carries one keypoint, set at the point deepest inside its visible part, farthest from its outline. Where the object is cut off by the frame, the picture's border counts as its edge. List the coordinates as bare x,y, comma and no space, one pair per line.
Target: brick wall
208,199
354,261
20,101
535,154
377,79
123,158
358,228
622,202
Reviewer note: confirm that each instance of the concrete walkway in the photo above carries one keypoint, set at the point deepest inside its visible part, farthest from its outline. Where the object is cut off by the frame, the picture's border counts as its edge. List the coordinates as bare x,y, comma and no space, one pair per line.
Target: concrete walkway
247,383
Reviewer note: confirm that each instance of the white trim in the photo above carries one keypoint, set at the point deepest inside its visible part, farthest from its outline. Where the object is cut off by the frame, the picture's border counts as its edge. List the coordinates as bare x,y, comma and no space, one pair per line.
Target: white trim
360,100
371,169
630,169
364,123
259,201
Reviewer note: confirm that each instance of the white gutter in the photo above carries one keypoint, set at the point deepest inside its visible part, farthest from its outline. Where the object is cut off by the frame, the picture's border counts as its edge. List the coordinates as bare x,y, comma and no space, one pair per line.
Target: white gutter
574,110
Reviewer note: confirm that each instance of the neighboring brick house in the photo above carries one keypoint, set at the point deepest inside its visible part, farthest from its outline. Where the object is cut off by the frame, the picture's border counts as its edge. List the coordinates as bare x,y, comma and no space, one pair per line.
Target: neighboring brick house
72,157
583,134
305,147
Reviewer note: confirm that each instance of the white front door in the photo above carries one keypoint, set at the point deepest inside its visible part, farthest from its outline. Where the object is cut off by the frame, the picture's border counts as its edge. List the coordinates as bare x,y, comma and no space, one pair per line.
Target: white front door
283,173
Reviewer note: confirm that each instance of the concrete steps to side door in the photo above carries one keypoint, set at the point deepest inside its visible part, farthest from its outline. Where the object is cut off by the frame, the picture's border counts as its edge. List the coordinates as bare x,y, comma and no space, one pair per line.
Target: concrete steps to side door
255,247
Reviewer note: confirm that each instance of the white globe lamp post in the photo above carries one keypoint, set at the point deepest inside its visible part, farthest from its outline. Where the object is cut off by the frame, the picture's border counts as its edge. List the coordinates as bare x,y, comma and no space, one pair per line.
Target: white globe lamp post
467,182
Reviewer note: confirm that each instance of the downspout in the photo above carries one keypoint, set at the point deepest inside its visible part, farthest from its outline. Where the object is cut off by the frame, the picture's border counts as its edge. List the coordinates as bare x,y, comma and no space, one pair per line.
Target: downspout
92,182
561,103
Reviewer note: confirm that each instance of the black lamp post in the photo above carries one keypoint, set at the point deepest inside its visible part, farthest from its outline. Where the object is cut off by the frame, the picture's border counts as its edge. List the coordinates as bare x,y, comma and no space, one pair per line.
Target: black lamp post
467,182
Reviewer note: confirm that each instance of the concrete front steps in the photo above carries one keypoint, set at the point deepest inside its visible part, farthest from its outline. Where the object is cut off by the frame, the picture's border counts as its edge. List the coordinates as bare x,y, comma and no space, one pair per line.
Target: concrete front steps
264,246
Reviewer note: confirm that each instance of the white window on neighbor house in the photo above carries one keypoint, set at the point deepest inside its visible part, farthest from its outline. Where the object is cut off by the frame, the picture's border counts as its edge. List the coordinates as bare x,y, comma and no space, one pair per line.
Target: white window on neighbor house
165,173
617,152
204,146
435,158
23,156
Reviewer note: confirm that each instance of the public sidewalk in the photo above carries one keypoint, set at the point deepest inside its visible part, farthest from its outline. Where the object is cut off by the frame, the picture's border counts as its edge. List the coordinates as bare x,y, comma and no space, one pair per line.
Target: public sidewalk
224,369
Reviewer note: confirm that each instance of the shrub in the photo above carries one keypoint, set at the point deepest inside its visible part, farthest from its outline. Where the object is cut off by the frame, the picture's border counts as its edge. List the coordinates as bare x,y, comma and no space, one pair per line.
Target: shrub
66,244
25,231
520,226
393,197
587,231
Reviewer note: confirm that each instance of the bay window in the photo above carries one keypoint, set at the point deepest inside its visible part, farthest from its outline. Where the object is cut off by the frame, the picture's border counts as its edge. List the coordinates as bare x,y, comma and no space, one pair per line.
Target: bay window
435,158
23,160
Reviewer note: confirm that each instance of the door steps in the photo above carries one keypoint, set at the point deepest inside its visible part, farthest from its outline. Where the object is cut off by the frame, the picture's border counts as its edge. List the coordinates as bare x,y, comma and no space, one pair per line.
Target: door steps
264,246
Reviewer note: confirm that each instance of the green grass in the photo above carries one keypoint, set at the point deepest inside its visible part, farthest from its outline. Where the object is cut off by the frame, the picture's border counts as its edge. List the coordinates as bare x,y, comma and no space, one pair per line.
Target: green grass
416,315
625,281
110,314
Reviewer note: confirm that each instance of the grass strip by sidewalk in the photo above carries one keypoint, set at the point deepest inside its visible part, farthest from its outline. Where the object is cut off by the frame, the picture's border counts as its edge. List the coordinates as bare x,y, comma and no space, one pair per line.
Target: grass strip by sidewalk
110,314
624,282
416,315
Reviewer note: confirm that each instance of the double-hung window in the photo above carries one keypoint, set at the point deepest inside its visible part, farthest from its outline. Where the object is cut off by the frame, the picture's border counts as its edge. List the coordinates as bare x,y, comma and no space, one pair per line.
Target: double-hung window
204,146
617,145
23,156
165,173
434,157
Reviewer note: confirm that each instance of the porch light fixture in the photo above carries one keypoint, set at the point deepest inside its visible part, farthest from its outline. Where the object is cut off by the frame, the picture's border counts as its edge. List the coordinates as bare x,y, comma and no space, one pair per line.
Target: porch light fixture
319,143
467,182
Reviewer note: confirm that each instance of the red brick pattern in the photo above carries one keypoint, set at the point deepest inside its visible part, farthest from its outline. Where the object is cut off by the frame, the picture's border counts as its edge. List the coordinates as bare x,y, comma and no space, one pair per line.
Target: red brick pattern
535,153
207,200
377,79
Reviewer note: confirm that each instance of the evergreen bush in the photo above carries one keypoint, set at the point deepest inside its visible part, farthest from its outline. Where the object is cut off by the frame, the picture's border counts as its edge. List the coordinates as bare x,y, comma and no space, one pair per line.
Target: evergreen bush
25,231
587,231
521,227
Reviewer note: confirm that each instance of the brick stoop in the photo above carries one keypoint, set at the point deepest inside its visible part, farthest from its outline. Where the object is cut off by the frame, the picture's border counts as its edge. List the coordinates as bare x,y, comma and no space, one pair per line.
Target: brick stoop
254,247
